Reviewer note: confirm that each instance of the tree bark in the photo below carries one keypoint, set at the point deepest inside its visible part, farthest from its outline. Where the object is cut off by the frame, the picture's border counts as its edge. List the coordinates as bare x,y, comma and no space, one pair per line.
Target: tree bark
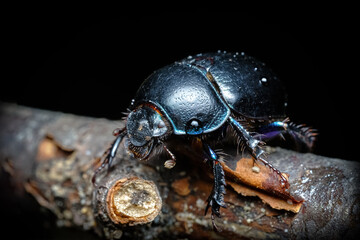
52,156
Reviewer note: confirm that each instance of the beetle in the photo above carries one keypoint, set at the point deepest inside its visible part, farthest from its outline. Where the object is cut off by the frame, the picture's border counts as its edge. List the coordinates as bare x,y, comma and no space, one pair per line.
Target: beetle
198,101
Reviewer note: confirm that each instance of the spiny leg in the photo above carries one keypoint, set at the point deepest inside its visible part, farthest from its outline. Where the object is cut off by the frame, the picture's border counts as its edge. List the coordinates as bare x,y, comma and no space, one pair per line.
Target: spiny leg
110,153
302,135
254,147
216,198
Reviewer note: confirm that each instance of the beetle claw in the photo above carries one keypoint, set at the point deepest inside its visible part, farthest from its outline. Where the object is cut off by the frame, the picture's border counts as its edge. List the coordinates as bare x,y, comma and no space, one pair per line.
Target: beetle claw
215,210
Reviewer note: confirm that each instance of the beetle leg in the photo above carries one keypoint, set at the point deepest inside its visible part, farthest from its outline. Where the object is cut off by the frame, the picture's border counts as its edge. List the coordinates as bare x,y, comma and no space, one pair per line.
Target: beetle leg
254,147
110,153
302,135
250,142
216,198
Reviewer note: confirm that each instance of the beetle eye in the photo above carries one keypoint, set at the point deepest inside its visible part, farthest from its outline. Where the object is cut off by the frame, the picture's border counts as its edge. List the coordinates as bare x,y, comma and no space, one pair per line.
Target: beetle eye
161,124
194,127
160,128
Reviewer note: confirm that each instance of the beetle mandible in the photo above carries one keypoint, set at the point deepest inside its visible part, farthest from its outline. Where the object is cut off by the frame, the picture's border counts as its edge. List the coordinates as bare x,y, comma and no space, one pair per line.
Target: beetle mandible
201,98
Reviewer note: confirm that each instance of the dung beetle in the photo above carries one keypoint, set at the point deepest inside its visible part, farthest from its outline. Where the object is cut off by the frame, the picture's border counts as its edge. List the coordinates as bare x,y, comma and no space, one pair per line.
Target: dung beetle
201,100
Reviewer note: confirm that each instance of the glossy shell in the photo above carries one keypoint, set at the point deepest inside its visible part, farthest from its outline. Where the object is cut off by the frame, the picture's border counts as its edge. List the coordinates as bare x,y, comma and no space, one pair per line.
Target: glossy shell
182,93
249,87
208,87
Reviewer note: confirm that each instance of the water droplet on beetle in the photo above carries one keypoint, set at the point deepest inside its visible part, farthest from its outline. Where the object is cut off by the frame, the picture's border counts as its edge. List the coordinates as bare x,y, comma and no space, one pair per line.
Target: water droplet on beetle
255,69
235,68
194,127
242,54
194,123
263,81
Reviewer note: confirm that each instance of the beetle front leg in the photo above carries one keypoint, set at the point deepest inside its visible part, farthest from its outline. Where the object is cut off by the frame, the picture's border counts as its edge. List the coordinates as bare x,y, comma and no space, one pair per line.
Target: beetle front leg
216,198
254,147
109,155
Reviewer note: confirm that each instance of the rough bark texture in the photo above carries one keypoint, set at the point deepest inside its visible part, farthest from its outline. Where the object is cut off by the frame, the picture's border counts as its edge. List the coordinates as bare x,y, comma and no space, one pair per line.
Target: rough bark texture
53,155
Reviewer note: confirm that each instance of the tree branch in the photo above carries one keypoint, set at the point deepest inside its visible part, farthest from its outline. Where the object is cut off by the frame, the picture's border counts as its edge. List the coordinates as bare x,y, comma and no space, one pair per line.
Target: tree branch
53,155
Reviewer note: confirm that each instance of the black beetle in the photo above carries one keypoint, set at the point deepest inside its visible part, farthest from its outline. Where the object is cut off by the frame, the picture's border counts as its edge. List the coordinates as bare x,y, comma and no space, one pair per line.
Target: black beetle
200,99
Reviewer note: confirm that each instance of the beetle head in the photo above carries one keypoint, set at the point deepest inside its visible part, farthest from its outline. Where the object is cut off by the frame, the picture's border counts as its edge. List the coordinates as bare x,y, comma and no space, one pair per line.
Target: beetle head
143,125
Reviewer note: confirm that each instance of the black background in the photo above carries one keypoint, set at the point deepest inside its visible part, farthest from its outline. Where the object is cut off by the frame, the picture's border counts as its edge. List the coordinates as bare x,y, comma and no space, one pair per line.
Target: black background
91,65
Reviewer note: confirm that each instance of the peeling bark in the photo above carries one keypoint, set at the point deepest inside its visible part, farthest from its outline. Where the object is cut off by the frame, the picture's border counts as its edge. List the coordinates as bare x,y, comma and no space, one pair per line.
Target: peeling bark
52,156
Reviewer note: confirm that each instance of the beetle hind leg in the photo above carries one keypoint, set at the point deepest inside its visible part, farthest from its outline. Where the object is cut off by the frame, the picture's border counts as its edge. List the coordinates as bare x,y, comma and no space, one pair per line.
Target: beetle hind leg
304,137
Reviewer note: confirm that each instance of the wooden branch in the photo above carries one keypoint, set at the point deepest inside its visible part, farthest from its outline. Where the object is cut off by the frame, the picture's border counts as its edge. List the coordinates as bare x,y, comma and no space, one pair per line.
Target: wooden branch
53,155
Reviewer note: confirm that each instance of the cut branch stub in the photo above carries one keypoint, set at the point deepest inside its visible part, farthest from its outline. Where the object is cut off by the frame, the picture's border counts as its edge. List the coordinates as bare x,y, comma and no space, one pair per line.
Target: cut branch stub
133,201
